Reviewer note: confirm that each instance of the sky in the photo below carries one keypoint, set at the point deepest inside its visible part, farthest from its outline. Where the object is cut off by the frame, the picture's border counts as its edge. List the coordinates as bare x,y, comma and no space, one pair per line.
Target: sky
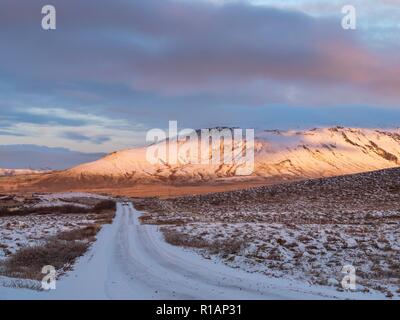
112,70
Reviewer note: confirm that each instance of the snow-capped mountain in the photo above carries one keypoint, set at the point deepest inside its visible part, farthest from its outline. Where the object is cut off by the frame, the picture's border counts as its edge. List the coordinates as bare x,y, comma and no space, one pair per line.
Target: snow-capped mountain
282,155
18,172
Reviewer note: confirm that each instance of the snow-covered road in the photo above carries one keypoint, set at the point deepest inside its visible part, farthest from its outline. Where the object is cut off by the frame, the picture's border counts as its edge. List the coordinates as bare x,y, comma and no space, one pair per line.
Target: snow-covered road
132,261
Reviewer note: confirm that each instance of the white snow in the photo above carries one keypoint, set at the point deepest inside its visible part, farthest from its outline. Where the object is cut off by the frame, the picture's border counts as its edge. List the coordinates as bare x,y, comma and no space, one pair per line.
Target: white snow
72,195
312,153
17,232
132,261
17,172
64,198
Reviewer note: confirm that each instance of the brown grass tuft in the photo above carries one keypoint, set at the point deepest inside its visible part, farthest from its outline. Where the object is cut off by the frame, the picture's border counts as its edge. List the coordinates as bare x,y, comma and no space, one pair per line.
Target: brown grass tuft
215,247
27,263
87,233
59,251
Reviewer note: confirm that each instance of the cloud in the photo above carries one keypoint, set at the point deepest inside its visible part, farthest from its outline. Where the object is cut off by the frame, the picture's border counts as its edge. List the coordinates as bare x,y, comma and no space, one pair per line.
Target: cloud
59,127
176,48
69,115
125,66
10,133
89,138
84,138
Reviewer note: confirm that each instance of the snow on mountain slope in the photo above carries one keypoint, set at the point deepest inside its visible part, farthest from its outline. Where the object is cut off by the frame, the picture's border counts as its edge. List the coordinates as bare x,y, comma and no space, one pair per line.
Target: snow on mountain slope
284,155
18,172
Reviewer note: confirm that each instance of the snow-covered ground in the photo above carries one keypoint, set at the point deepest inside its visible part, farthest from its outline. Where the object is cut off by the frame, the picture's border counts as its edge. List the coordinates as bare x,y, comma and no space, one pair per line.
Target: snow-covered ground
33,228
17,232
309,229
39,200
72,195
66,198
132,261
315,253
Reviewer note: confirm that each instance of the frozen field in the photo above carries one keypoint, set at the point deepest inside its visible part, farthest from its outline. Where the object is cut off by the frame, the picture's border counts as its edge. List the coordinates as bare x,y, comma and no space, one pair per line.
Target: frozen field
48,229
305,230
19,232
287,241
132,261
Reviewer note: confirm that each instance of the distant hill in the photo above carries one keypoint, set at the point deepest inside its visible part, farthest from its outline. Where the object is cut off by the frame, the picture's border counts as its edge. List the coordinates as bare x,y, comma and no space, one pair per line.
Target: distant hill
40,157
18,172
279,155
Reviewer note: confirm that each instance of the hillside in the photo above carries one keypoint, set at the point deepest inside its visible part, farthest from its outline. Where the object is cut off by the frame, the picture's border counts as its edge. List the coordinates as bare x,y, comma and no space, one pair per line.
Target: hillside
279,156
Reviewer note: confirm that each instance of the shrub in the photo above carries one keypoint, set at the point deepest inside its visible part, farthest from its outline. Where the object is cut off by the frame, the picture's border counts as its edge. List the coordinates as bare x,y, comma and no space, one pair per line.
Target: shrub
28,262
66,209
4,212
59,251
86,233
43,210
215,247
104,205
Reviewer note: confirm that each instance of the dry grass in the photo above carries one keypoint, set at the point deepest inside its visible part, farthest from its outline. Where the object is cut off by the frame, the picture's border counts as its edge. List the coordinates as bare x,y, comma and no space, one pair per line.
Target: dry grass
161,222
105,218
100,207
40,183
67,209
59,251
105,205
87,233
181,239
307,229
27,263
223,247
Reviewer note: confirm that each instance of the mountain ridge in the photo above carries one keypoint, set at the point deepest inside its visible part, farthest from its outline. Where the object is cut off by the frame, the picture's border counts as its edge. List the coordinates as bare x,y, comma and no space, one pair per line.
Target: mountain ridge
314,153
17,172
280,156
